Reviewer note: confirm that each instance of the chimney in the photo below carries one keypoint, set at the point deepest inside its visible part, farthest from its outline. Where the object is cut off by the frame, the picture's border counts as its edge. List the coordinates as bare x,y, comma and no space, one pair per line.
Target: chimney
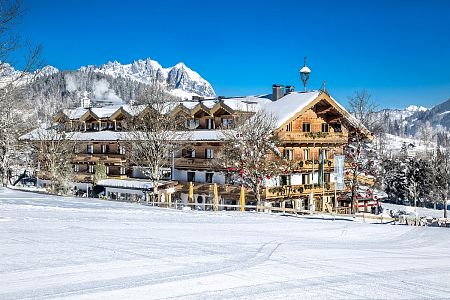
277,92
289,89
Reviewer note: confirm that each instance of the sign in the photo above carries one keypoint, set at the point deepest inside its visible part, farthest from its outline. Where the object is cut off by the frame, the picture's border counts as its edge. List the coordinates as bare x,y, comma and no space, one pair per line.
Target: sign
339,161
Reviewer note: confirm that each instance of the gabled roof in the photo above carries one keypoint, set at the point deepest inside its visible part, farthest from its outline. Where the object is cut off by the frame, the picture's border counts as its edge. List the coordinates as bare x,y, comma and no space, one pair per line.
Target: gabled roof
120,112
288,106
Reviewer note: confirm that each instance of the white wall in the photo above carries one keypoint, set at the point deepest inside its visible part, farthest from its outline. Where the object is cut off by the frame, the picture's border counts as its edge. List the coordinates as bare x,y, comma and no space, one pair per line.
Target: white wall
200,176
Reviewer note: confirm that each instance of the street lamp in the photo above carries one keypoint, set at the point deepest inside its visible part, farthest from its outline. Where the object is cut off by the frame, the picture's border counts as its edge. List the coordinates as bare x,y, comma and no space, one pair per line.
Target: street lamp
304,74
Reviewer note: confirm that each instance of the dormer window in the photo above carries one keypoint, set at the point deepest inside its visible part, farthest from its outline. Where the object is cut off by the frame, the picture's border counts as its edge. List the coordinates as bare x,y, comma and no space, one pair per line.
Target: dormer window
192,123
227,123
210,123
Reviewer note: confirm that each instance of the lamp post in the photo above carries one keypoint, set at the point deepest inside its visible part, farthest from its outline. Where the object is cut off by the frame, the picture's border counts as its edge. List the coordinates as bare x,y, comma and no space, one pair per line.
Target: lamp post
304,74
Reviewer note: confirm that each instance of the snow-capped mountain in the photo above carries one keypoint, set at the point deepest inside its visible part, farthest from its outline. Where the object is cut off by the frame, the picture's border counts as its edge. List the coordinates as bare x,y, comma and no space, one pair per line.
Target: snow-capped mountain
415,108
48,90
179,79
46,71
407,122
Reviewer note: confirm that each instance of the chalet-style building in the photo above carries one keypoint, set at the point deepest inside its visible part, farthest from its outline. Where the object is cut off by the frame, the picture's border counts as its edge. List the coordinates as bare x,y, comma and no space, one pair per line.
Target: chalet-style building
308,123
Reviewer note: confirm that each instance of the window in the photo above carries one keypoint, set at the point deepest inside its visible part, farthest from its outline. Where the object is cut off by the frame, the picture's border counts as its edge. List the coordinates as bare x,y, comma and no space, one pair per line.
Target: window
228,178
104,148
325,153
209,177
91,169
305,154
121,149
90,148
166,173
285,179
305,178
326,177
192,123
325,127
289,127
337,128
210,123
306,127
191,176
227,123
122,170
76,168
209,153
289,154
190,153
107,170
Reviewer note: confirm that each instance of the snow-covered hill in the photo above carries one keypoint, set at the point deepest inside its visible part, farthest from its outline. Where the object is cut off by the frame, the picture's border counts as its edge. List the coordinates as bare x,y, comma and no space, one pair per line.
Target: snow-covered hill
70,248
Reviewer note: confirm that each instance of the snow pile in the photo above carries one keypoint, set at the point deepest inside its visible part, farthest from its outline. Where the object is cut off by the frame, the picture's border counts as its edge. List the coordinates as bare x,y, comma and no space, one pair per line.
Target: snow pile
61,248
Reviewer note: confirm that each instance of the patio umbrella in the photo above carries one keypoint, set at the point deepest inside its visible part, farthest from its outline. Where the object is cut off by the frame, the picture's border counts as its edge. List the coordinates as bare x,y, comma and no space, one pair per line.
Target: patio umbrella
242,198
216,198
191,193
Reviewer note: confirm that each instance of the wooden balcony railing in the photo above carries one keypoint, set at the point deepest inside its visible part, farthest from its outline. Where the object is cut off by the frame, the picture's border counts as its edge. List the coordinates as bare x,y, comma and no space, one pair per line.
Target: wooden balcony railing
319,137
201,163
308,164
289,191
105,158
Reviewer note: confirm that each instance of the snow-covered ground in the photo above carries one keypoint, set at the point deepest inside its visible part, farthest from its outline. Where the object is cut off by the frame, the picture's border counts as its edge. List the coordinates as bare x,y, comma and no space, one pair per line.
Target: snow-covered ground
54,247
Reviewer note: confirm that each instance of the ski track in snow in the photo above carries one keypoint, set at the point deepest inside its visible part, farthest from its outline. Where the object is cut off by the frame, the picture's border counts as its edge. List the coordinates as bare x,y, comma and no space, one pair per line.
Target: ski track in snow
73,248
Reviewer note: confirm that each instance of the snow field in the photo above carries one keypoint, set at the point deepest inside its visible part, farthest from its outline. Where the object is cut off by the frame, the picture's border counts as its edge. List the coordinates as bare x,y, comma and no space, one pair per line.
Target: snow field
57,247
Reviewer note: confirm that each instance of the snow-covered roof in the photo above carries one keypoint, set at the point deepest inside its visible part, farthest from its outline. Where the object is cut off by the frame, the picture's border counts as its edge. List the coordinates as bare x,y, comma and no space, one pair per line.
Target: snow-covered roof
286,107
107,135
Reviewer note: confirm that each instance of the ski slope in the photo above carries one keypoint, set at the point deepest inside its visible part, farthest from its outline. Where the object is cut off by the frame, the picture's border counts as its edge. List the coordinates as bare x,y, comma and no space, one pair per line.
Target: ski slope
74,248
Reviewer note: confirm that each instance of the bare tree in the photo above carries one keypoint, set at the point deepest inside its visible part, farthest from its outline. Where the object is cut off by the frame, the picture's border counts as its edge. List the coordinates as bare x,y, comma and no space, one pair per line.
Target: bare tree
250,151
442,172
155,132
360,155
54,149
12,123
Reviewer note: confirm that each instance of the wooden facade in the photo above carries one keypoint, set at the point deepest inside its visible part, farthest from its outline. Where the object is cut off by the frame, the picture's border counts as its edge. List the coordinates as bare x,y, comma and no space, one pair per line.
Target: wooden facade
320,124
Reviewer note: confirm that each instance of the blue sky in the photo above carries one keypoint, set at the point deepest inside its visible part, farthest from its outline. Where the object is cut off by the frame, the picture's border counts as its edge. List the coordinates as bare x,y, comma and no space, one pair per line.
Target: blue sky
398,50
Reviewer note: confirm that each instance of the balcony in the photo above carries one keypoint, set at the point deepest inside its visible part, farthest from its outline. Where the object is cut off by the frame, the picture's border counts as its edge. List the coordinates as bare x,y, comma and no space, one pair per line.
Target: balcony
116,159
84,177
193,163
290,191
314,137
308,165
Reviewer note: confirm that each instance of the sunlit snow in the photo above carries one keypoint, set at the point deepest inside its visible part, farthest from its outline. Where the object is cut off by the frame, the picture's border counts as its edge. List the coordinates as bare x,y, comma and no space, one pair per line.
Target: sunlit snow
54,247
